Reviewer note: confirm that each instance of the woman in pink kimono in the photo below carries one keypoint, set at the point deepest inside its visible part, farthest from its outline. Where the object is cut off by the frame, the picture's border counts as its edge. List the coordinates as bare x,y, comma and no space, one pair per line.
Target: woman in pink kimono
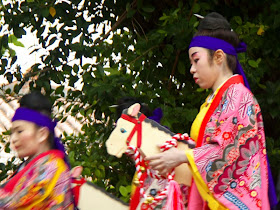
43,180
229,164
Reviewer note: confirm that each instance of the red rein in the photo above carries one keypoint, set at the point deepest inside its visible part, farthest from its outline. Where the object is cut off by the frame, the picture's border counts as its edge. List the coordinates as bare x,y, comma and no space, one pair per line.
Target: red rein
137,128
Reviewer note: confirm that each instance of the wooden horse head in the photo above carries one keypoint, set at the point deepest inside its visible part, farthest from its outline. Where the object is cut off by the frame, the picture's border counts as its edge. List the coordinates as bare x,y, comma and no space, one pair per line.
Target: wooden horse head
135,129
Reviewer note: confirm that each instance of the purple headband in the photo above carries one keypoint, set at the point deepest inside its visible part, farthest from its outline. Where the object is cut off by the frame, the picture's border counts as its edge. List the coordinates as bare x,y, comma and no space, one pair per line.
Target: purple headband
34,117
39,119
213,43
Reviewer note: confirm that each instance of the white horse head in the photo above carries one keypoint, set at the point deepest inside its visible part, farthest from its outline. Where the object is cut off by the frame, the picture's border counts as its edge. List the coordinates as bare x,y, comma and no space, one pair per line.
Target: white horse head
116,144
134,129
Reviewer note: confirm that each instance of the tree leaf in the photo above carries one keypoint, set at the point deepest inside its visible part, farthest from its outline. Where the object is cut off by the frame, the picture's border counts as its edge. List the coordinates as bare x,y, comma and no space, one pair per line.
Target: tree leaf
253,63
123,190
52,11
196,8
14,40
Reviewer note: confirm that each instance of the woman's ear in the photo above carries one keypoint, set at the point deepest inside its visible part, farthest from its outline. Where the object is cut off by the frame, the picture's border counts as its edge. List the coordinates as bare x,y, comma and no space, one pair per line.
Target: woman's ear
43,134
219,56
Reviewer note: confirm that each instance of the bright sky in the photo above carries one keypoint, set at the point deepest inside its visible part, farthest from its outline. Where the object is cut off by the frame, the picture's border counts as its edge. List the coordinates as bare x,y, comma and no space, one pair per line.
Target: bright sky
30,42
25,60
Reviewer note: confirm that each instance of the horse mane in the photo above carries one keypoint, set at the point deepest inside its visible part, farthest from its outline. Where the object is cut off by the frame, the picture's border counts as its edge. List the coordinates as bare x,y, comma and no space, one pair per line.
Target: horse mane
158,126
107,193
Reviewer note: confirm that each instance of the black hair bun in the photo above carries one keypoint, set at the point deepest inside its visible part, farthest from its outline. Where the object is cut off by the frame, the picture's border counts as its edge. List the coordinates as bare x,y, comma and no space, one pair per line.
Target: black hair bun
214,21
36,101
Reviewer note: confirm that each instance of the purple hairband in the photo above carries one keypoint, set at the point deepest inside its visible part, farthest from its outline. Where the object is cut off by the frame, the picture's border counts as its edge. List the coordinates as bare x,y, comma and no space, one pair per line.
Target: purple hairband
213,43
39,119
34,117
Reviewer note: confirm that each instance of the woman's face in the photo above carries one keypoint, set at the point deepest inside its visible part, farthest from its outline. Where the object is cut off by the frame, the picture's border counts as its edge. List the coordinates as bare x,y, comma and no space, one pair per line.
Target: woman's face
24,138
203,71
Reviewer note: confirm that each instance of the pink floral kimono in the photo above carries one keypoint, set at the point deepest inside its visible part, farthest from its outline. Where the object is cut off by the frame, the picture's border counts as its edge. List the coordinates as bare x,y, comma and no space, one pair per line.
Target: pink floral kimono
44,183
229,163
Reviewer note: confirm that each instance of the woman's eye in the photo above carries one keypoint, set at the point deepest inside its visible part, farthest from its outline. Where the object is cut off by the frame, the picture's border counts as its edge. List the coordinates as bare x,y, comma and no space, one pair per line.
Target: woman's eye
123,130
195,60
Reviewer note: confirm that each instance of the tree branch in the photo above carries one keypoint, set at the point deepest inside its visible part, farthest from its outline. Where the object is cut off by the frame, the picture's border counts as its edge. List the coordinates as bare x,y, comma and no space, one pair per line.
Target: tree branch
191,12
116,25
173,69
141,55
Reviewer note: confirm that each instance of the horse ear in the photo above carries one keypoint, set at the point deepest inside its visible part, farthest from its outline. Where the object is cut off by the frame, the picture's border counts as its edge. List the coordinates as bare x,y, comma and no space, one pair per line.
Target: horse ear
134,109
76,171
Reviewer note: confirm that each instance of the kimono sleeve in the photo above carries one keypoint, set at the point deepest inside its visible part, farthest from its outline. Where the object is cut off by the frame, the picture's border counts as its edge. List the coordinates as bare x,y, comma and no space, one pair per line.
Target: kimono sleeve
35,185
233,121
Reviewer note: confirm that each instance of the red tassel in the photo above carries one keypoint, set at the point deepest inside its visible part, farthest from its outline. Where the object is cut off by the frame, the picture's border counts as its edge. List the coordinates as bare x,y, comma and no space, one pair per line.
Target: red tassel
135,199
174,197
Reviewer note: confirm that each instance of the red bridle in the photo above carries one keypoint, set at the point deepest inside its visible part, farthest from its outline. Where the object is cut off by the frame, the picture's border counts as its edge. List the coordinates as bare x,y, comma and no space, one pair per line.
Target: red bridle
137,128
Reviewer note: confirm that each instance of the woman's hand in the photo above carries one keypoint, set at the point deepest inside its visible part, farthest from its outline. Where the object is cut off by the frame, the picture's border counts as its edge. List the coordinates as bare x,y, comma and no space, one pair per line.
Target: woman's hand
166,161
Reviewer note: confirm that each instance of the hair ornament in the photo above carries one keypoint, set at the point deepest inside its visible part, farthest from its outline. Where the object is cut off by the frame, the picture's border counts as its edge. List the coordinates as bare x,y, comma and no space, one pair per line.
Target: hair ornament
199,16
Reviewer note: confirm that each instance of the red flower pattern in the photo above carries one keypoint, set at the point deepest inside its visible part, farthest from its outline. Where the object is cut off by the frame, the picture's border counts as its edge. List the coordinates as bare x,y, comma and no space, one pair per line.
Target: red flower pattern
226,135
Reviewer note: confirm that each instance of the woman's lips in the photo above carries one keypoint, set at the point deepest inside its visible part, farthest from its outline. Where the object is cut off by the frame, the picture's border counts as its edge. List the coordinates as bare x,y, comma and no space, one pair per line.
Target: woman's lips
16,147
195,80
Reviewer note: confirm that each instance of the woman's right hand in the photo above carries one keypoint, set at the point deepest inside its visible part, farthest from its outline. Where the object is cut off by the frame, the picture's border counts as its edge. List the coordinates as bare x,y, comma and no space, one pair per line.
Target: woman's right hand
166,161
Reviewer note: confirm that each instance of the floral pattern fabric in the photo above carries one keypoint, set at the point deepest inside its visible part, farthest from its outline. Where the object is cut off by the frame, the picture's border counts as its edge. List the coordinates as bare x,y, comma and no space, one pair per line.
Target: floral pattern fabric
44,183
232,157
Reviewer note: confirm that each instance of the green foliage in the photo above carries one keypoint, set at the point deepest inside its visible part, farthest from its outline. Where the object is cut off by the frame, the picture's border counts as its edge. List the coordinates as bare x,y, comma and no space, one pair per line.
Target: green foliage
145,54
7,168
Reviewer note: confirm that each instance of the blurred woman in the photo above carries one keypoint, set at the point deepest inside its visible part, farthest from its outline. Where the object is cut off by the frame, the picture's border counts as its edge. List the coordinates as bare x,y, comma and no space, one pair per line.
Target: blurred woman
43,180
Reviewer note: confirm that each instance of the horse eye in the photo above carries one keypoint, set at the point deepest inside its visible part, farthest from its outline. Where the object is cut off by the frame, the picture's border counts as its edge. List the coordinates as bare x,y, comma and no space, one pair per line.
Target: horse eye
123,130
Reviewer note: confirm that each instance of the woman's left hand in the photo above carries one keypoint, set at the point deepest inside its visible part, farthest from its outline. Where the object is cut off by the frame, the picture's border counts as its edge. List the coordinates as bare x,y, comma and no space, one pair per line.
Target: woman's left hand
166,161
